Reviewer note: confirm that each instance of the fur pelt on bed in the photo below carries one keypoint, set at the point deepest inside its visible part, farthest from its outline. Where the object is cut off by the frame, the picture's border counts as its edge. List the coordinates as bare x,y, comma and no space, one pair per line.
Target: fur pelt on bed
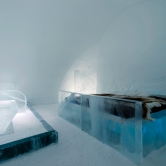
150,104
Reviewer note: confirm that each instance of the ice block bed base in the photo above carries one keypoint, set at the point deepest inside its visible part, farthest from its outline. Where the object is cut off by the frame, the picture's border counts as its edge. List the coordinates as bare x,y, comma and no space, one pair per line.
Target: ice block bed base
30,132
116,122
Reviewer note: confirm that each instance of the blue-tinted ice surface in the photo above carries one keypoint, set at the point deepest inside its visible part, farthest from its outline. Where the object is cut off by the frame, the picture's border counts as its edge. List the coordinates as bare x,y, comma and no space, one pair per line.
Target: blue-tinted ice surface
133,137
154,132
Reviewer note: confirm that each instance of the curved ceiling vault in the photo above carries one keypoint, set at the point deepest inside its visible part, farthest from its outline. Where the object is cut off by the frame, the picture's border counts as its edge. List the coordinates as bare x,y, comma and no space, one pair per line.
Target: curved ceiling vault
42,41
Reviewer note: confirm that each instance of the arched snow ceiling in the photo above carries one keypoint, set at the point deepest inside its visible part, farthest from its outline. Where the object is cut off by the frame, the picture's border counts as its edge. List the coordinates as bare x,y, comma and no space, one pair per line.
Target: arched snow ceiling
129,58
40,40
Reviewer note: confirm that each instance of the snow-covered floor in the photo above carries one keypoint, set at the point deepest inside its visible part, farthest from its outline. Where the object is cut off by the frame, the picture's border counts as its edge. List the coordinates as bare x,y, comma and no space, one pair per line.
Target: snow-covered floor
76,148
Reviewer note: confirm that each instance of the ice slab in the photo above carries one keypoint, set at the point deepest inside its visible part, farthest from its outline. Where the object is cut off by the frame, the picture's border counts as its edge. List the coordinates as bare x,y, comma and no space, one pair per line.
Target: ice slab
8,109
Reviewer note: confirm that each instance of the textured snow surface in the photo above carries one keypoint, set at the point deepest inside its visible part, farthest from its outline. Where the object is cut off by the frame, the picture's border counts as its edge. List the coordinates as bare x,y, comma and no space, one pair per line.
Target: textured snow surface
76,148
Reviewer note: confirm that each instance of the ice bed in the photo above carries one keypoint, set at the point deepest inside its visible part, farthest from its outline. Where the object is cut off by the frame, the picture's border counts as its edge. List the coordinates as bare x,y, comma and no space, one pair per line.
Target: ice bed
106,119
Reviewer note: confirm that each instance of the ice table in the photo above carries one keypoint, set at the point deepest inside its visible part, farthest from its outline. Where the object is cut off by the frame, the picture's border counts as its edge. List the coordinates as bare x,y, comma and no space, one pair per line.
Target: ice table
105,119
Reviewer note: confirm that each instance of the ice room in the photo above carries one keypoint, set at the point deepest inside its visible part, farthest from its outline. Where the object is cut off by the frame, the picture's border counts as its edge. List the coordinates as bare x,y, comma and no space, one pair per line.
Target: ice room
82,82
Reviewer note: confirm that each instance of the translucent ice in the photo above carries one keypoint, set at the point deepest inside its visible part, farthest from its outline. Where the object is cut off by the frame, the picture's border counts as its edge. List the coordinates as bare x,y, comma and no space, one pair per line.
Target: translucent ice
8,109
116,122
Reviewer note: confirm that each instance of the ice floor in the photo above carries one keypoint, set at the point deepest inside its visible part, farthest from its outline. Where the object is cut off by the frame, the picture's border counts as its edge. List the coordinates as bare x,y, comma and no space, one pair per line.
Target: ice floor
76,148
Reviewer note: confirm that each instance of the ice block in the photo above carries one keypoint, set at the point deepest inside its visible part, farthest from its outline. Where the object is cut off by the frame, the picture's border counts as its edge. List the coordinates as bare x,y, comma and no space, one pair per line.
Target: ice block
8,109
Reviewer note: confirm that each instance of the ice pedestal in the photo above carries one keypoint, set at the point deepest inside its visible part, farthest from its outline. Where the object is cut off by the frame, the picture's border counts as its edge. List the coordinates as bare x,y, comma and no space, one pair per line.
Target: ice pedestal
8,109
